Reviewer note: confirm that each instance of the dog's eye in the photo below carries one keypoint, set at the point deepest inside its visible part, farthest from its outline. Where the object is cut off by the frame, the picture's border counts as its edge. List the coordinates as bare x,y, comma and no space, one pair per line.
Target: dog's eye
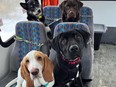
67,7
78,38
63,41
39,58
33,3
75,7
31,6
27,61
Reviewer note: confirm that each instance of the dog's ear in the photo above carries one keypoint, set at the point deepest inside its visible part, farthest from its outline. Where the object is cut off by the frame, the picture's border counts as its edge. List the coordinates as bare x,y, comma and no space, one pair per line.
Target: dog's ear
55,43
24,70
48,69
86,36
25,74
24,5
80,3
62,5
26,0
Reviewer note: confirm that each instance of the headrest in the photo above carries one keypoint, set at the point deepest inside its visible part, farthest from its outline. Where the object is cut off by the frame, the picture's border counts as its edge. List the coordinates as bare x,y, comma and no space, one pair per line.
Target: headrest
67,26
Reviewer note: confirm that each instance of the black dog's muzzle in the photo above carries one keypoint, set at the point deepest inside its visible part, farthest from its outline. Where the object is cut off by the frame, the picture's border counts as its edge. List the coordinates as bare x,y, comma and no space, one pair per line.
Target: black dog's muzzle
74,48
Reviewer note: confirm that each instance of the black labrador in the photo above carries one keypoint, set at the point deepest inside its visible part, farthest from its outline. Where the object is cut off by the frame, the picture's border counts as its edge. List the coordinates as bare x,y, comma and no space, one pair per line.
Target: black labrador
70,10
69,46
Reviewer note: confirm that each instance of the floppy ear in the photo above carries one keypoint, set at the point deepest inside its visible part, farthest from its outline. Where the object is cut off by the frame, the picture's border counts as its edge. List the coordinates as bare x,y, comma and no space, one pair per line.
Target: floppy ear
55,43
85,35
25,75
24,70
24,5
48,69
80,3
26,0
62,5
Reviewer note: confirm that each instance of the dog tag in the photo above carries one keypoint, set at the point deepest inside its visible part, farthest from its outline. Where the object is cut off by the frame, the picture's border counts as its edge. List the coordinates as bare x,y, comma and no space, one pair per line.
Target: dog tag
1,22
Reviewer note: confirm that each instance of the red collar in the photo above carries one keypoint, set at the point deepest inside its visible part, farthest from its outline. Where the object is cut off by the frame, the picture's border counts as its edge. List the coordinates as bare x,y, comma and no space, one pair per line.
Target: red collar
72,62
75,62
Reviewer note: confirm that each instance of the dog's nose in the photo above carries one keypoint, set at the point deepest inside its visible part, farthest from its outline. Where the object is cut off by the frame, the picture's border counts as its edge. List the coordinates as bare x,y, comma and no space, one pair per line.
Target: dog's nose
34,71
73,48
71,12
39,11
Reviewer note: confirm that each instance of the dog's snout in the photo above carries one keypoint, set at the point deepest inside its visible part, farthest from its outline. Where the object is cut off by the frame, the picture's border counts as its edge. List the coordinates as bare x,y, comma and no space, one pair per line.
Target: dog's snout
39,11
34,71
73,48
71,12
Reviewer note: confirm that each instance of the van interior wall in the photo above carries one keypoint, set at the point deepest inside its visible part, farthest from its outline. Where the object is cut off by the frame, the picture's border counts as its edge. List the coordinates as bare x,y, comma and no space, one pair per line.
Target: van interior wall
4,61
104,11
7,6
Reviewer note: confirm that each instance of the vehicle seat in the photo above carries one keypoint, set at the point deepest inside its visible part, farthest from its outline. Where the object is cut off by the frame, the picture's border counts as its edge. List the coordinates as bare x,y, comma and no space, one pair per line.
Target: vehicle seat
29,36
51,13
86,16
86,22
87,52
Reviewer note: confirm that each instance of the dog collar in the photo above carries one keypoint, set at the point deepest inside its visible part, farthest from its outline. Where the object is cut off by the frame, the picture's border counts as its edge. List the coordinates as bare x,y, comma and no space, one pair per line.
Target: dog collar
76,61
40,16
44,85
72,62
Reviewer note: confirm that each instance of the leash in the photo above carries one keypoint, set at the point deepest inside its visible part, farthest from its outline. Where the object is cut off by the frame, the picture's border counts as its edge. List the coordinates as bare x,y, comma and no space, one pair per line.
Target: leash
17,38
53,19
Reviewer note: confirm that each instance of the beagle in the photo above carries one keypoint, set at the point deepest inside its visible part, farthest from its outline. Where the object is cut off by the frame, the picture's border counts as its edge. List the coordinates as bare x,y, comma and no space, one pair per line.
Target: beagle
36,70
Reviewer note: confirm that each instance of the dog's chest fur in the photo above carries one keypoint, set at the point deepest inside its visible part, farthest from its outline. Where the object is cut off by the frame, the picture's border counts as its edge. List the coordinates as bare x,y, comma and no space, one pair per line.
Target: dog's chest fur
65,72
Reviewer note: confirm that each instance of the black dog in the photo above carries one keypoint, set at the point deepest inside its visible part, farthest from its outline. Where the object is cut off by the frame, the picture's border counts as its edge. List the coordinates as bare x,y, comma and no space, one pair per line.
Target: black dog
34,10
68,46
70,10
35,13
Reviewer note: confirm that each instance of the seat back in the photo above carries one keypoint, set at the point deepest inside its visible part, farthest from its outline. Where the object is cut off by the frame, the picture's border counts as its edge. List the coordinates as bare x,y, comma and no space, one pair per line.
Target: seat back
30,35
51,13
86,16
67,26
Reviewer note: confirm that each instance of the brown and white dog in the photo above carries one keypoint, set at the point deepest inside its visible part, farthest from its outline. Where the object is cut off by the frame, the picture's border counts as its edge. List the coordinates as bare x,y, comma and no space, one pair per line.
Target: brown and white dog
36,70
